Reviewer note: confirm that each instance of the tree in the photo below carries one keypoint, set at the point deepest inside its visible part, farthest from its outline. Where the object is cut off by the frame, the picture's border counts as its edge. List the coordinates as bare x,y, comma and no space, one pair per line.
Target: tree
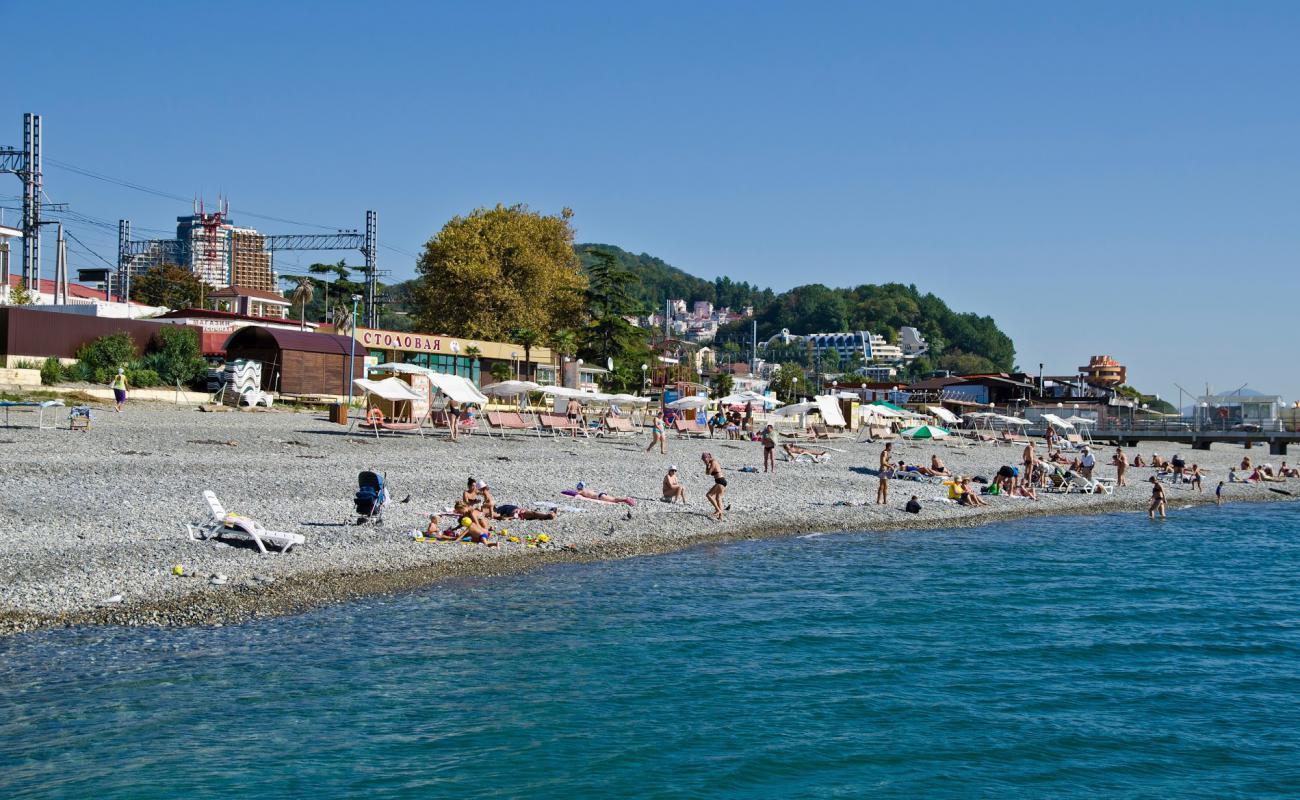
831,360
302,295
498,270
960,363
168,285
472,353
723,384
176,355
528,338
609,298
20,295
500,371
564,342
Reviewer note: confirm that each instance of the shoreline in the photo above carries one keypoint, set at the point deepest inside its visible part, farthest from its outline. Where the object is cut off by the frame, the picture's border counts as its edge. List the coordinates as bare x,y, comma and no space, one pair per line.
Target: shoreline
304,594
99,517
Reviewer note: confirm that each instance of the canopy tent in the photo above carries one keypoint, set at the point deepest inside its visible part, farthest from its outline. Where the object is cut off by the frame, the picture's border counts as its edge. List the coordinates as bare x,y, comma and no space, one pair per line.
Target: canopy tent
829,407
390,389
561,391
1057,422
887,404
925,432
629,398
795,409
462,390
882,412
511,388
396,366
944,414
741,398
1078,420
1017,421
689,402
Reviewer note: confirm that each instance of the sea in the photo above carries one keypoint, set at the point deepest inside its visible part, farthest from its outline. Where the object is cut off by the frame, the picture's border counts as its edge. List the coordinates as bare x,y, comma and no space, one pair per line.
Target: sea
1091,656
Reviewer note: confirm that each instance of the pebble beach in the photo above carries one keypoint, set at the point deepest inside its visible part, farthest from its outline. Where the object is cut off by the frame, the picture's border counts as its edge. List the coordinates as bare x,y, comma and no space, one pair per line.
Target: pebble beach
92,524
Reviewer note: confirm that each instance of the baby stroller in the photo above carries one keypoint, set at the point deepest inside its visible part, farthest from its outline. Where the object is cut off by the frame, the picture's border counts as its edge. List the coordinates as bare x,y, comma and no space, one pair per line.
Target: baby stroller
371,497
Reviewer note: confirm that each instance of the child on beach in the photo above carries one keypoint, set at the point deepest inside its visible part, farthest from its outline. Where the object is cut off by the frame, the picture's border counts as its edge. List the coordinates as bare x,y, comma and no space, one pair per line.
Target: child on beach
1218,494
1196,478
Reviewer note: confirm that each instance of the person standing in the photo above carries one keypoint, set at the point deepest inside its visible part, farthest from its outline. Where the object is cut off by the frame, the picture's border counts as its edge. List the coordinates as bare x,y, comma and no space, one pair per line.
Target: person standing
1121,467
1218,494
1087,462
882,489
749,417
574,412
657,434
1157,499
714,470
453,417
769,449
886,458
119,389
1197,476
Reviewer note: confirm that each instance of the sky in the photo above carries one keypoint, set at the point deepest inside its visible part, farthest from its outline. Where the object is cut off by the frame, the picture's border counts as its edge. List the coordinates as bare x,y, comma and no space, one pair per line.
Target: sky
1101,178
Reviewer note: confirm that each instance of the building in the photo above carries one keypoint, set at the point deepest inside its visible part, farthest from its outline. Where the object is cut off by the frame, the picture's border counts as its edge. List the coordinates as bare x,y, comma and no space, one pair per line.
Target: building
702,309
1227,411
29,333
1104,372
211,246
912,343
299,363
872,346
253,302
469,358
217,326
84,300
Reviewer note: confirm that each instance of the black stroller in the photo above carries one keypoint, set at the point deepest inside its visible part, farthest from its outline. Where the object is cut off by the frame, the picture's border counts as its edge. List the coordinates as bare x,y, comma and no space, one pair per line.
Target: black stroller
371,497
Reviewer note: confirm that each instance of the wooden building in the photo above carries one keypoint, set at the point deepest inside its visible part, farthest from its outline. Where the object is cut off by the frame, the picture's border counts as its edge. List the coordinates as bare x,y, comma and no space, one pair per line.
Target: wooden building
297,362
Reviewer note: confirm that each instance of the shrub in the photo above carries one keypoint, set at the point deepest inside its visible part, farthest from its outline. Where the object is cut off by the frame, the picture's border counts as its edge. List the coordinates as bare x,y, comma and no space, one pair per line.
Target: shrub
26,363
51,371
101,358
175,355
141,376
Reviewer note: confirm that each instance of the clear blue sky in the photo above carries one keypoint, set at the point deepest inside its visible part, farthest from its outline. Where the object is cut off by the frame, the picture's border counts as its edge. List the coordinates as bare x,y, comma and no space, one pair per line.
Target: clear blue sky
1105,177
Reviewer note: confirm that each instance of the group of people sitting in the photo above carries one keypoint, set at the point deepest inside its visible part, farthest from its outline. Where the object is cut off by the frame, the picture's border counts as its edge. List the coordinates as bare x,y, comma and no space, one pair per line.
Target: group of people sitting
474,513
1261,473
733,422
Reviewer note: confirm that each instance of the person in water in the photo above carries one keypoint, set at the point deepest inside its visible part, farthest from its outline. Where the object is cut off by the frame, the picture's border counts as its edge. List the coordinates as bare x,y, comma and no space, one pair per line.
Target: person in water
1157,499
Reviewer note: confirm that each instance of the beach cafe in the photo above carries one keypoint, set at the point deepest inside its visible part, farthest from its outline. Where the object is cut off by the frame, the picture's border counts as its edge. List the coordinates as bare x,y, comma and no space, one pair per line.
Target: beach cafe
469,358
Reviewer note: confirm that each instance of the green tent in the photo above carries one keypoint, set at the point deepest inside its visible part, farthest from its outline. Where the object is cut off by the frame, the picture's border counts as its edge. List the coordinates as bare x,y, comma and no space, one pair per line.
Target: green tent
925,432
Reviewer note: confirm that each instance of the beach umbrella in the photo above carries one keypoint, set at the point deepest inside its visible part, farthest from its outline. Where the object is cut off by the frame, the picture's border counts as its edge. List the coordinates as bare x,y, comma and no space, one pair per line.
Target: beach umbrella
1078,420
629,398
689,402
1019,421
511,388
925,432
795,409
1057,422
944,414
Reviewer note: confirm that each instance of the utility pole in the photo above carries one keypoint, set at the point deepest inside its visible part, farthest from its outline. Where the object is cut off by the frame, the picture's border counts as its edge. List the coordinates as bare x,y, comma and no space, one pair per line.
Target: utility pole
32,191
753,348
372,272
61,268
124,260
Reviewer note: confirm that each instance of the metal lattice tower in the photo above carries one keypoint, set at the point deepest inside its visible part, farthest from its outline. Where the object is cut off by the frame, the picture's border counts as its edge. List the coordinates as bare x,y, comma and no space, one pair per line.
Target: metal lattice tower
26,164
124,258
370,251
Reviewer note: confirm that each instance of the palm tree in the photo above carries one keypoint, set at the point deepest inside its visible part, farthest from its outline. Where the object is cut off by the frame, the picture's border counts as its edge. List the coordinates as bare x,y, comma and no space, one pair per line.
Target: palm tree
528,337
303,294
473,353
563,343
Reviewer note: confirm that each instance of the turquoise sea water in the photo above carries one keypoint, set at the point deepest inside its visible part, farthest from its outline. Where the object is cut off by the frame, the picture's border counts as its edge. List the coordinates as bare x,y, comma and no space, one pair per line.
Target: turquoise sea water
1071,657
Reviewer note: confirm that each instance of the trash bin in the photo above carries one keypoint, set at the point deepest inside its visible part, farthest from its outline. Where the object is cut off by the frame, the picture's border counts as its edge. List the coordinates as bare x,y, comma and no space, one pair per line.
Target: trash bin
339,414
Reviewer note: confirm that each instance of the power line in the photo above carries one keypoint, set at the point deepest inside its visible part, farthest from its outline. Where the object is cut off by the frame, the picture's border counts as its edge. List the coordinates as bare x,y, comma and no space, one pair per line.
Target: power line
73,237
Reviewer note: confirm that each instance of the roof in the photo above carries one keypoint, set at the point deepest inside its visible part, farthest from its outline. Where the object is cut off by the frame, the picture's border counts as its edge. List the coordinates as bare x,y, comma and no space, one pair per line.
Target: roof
300,341
77,290
199,313
243,291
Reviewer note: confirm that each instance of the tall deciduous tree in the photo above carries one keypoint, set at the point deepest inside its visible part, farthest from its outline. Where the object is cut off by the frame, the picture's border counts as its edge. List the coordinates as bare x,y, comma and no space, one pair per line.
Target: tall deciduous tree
168,285
497,270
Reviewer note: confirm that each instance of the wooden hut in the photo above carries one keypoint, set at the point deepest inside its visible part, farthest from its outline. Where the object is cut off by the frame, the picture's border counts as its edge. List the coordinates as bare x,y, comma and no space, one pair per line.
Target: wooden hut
298,362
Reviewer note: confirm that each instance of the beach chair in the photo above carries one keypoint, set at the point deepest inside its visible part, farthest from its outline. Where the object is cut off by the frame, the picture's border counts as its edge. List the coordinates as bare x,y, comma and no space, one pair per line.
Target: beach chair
618,427
80,418
221,522
688,428
1059,482
559,425
1089,486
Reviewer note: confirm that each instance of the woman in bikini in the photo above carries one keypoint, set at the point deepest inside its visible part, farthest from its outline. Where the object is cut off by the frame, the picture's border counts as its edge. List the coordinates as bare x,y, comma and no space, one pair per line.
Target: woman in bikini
1157,499
714,470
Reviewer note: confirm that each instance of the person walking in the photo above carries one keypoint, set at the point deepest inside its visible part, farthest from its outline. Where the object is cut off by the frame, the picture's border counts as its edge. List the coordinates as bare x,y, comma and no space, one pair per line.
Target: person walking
769,449
119,389
714,470
1157,499
1086,463
453,417
657,434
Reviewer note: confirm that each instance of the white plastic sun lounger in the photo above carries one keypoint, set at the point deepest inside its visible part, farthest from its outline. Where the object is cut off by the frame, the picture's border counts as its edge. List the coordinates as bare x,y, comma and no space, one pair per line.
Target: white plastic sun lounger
222,522
1090,486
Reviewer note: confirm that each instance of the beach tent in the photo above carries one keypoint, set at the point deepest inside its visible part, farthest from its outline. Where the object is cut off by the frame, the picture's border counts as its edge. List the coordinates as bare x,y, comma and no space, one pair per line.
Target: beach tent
741,398
396,366
462,390
511,388
795,409
387,397
830,410
1057,422
1019,422
390,389
630,399
944,414
925,432
689,402
1078,420
878,412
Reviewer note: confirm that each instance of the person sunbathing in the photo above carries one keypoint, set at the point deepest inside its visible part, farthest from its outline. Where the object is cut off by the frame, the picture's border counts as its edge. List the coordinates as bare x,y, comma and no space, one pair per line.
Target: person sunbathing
673,491
1138,462
1158,462
793,450
968,496
1259,475
937,467
913,469
1245,464
1289,472
604,497
470,496
471,524
1024,490
511,511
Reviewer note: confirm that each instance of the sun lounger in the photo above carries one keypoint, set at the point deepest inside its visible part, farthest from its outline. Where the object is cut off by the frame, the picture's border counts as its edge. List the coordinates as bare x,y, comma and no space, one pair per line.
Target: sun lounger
618,426
221,522
823,432
1089,486
559,425
504,422
688,427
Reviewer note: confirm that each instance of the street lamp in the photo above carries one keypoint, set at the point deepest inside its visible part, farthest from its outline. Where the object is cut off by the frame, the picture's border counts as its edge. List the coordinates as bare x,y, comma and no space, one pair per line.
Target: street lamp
514,362
645,378
352,351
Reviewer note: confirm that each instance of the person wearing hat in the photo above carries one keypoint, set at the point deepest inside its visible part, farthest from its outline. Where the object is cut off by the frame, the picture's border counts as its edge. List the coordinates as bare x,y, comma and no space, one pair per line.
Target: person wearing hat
673,491
1086,462
486,502
119,389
